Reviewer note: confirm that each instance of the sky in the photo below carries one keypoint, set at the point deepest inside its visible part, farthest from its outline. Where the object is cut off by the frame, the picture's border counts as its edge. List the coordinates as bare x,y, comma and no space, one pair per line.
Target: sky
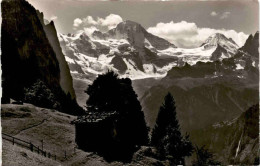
184,23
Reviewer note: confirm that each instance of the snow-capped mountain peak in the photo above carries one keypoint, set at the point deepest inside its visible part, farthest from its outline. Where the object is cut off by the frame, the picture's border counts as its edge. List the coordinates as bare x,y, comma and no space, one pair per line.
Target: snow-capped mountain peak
135,34
225,47
222,40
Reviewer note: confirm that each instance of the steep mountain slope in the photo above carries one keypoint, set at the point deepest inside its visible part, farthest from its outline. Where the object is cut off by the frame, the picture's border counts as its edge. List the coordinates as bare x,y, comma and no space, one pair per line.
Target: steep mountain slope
17,53
65,76
233,142
30,61
209,92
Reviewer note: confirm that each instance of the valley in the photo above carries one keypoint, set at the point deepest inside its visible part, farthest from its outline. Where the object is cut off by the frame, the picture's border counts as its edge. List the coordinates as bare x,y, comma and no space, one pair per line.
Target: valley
126,90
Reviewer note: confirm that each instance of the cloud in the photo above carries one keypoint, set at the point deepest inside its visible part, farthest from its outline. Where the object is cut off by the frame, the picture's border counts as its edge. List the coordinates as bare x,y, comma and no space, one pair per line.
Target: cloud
77,22
110,21
189,35
213,13
102,24
89,21
221,15
225,15
90,30
53,18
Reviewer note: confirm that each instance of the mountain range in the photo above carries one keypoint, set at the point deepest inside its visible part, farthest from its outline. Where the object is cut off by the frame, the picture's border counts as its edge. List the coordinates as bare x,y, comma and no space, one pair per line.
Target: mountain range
133,52
218,81
208,92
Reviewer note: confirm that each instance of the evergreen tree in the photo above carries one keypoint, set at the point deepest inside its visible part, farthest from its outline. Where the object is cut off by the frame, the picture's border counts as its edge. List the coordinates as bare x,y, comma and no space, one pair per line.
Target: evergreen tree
166,135
204,157
166,116
108,93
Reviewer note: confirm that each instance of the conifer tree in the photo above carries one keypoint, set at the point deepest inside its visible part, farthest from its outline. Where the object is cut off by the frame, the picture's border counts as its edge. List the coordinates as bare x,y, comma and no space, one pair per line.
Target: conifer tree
166,116
166,135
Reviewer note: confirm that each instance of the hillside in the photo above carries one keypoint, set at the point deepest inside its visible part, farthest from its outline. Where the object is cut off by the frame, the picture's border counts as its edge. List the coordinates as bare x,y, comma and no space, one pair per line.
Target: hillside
34,124
17,156
235,141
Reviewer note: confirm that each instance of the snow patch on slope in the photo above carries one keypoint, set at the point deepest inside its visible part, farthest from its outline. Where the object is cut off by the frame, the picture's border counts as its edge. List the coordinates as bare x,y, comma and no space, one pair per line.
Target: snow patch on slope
239,67
191,56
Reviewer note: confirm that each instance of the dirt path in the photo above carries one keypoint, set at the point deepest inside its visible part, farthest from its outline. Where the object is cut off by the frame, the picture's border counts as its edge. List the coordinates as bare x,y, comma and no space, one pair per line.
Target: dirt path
35,125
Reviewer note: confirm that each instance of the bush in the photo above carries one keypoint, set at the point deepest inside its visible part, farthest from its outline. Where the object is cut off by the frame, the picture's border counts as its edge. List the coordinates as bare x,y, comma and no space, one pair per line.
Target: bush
40,95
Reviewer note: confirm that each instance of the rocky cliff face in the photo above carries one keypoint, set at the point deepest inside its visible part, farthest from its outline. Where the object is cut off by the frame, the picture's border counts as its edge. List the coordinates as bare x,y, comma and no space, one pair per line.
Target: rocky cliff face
30,53
26,52
65,76
251,43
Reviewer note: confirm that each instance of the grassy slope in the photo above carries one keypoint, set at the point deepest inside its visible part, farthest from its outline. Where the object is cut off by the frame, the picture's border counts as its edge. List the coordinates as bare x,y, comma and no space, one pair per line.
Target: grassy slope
33,124
17,156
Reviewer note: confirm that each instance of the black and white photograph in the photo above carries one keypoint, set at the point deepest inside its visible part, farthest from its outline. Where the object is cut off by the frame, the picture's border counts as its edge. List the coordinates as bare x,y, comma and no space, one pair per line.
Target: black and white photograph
129,82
